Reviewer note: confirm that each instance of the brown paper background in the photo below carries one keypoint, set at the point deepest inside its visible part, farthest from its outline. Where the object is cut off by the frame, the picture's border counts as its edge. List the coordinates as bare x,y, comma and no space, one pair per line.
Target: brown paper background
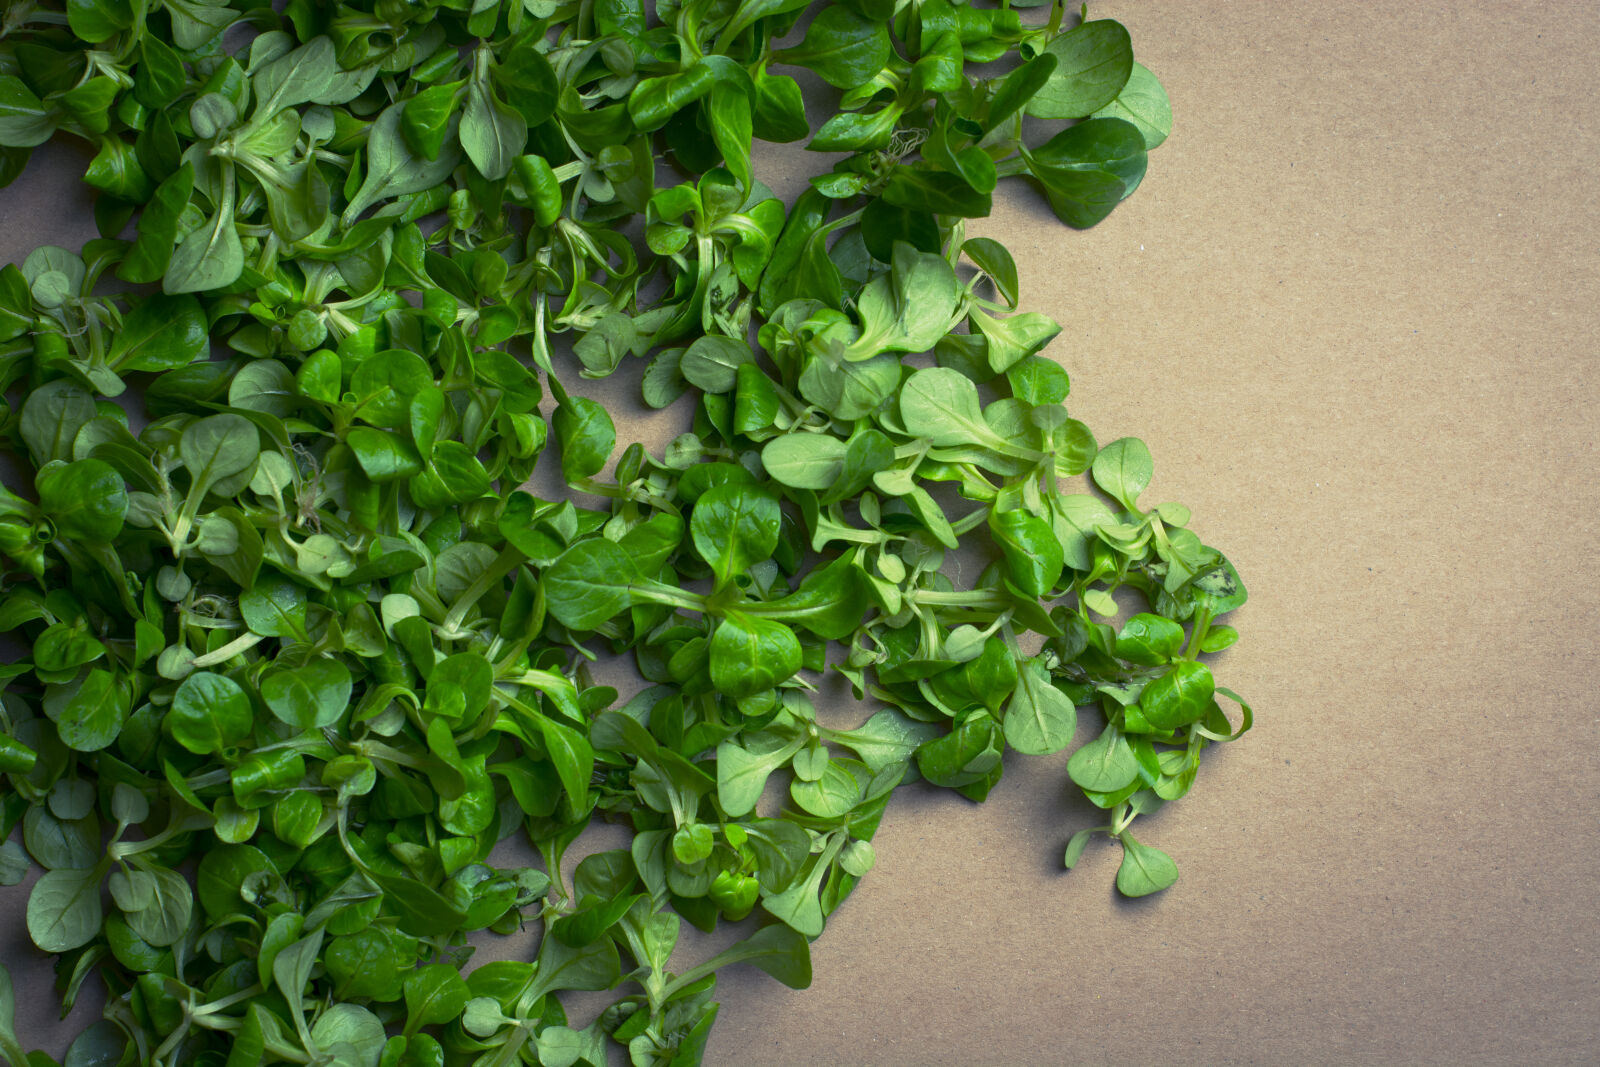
1353,313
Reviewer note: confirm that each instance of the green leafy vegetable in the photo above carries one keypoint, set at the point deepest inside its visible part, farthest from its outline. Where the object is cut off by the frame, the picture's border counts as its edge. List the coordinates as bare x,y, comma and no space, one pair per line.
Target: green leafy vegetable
303,650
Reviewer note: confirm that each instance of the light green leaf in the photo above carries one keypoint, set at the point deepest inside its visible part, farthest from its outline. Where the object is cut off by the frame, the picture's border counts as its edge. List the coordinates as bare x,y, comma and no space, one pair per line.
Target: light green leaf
1105,764
1144,103
1040,719
1144,870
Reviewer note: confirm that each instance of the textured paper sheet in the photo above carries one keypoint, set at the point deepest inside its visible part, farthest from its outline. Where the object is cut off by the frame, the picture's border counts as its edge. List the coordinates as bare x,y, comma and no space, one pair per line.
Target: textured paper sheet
1353,313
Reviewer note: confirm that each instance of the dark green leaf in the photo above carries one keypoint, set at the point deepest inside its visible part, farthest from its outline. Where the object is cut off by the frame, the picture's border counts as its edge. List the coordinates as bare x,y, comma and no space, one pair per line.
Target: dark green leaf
1093,61
87,499
751,655
24,119
1179,697
209,713
845,48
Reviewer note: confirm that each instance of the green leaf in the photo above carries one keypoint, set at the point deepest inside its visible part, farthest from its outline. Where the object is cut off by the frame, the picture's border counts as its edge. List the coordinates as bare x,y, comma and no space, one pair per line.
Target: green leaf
939,69
1144,870
828,789
1123,469
425,118
526,78
435,995
843,47
96,20
467,677
159,79
587,436
1149,640
994,260
308,697
1093,62
383,456
421,911
799,906
393,169
292,969
64,909
61,842
781,951
308,74
351,1035
590,583
1105,764
24,120
368,963
603,348
942,405
750,655
937,192
161,333
778,113
1087,169
265,386
1017,88
859,131
1144,103
910,309
655,100
86,499
14,867
743,770
10,1047
210,257
116,171
1015,338
1075,519
1179,697
1033,553
591,967
889,737
1219,638
492,134
849,390
51,418
157,228
1076,844
733,527
164,919
209,713
712,362
1040,719
88,712
217,448
573,757
1039,381
728,110
805,461
967,755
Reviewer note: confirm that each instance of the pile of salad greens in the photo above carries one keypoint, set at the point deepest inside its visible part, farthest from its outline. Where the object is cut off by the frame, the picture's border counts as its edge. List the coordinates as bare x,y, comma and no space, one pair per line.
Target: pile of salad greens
294,648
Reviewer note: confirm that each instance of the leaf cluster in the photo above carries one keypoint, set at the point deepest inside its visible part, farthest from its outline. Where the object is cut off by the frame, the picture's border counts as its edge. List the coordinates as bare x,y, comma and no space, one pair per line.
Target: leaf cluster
303,649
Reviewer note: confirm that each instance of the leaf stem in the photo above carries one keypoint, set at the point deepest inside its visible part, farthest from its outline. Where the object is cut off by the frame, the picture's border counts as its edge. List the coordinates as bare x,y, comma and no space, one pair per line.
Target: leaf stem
239,645
504,564
1202,625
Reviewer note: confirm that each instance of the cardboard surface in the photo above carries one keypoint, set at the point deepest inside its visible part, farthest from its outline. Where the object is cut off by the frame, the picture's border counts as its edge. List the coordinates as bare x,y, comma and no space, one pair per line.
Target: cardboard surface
1353,313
